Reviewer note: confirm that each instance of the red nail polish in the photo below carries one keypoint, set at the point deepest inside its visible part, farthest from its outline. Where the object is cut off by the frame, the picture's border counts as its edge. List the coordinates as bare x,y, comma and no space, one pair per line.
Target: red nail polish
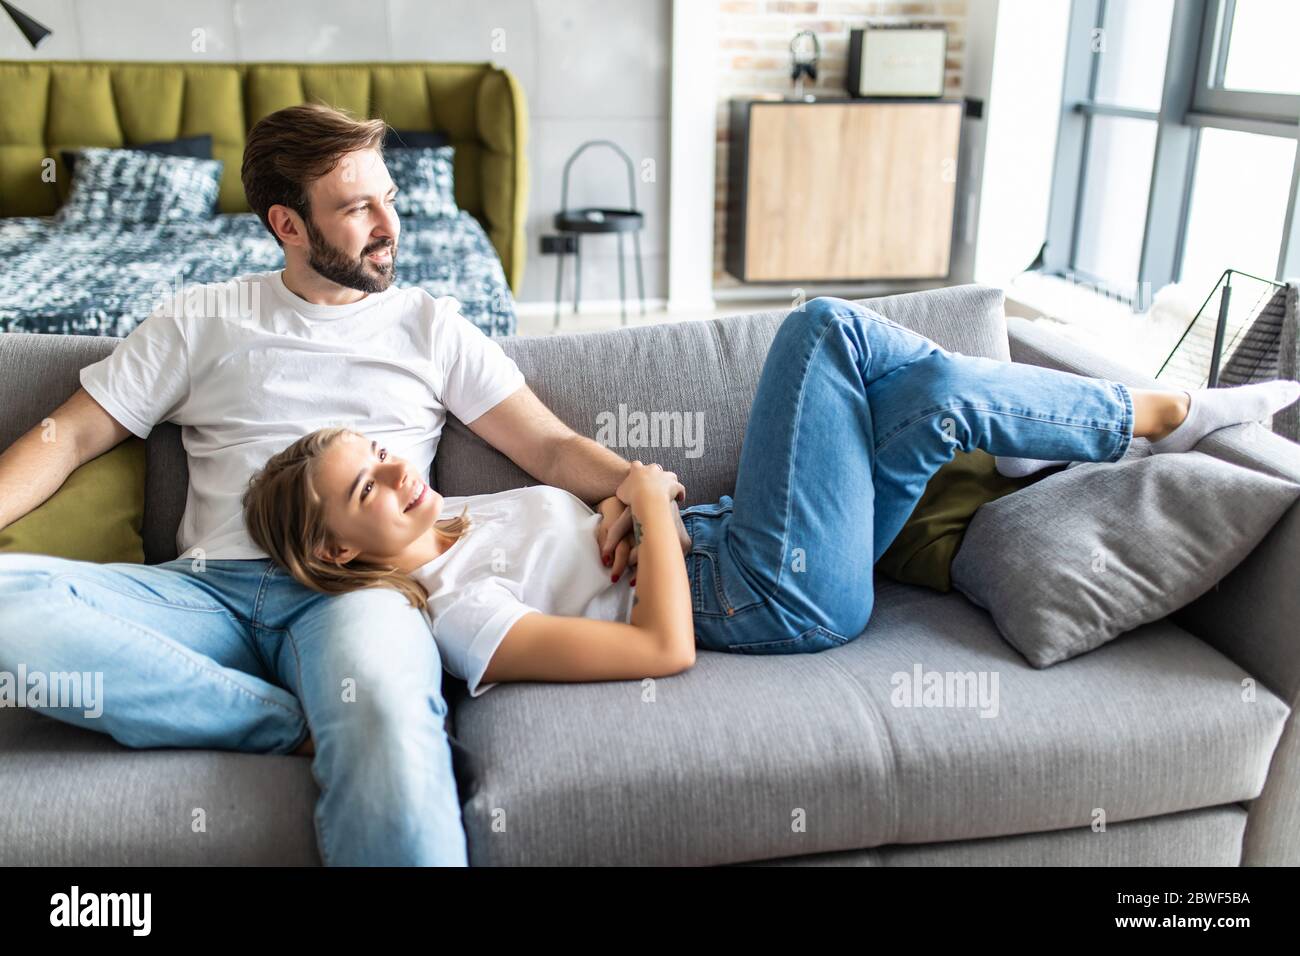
614,578
632,583
606,560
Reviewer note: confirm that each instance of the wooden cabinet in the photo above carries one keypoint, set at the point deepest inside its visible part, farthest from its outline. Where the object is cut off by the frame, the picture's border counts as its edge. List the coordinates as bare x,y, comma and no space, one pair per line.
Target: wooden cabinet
841,189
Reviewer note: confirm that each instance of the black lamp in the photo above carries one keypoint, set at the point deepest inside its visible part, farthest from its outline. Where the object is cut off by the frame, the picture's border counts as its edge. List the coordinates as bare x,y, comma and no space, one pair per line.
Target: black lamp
35,32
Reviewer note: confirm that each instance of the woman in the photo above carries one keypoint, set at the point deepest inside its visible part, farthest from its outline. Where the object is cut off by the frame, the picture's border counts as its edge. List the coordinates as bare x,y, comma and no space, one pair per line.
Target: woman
852,415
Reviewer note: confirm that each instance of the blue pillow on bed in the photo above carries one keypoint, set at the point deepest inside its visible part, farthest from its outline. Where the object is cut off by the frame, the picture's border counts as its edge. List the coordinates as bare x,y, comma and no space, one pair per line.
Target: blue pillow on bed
135,186
414,139
425,185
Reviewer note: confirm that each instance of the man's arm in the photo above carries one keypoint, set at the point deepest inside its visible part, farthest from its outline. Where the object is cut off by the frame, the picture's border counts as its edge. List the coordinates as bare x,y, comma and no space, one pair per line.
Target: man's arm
530,435
35,466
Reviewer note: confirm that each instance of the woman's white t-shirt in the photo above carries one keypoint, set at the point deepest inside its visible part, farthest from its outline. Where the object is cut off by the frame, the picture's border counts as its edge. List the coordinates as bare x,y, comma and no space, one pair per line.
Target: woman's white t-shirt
527,549
245,367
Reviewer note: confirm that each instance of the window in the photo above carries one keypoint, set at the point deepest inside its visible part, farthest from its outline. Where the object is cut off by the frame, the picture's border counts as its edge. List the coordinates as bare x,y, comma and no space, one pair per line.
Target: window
1235,218
1261,48
1176,156
1113,210
1132,45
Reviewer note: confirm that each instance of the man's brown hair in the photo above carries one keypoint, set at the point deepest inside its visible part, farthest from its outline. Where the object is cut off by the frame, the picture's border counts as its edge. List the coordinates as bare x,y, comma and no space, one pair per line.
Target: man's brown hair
291,148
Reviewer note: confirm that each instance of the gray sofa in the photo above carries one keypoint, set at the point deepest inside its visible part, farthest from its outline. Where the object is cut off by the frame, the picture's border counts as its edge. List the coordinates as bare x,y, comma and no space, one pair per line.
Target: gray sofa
752,759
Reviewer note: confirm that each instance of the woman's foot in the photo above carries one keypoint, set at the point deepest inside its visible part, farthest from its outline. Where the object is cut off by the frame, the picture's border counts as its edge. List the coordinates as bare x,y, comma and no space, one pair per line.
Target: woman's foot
1209,409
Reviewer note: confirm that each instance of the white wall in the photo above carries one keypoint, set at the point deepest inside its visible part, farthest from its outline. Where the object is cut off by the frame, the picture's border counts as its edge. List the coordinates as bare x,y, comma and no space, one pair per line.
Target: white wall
1023,113
693,138
977,72
590,69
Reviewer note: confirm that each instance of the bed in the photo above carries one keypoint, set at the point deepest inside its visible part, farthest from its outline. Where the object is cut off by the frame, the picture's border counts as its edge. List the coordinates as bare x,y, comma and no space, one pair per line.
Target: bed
103,281
76,281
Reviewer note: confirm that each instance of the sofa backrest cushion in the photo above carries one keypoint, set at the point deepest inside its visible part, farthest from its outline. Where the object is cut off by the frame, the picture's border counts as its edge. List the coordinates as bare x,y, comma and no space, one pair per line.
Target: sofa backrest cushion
709,368
702,374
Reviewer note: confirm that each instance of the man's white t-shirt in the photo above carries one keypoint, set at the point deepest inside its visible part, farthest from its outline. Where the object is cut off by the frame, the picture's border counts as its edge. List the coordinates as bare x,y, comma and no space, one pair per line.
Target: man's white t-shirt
527,549
248,366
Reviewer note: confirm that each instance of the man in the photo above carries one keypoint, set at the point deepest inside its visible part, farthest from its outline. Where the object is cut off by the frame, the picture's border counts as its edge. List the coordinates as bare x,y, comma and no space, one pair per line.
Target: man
219,648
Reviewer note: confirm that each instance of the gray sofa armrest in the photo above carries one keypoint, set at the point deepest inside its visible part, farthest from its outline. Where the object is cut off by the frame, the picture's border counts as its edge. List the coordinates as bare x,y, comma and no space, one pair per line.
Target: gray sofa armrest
1253,615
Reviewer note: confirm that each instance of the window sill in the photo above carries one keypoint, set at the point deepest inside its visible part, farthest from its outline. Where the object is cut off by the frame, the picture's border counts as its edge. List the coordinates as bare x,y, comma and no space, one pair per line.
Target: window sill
1137,340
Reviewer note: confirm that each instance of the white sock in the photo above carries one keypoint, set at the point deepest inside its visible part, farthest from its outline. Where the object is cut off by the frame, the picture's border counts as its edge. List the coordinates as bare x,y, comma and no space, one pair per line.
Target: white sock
1020,467
1214,408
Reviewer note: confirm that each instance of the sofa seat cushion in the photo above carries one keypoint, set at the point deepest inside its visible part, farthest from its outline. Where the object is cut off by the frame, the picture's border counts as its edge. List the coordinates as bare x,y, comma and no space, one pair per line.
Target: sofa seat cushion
741,758
76,797
755,757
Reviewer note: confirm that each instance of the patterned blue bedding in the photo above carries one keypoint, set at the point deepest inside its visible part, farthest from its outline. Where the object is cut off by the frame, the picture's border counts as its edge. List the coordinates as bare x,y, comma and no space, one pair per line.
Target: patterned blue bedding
104,280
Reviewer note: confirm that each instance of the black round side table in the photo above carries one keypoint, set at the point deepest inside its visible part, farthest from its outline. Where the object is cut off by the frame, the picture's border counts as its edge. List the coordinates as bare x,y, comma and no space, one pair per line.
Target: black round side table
577,222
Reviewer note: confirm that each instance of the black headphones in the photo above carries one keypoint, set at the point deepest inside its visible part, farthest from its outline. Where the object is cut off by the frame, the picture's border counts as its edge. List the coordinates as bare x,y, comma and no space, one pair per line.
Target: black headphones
799,64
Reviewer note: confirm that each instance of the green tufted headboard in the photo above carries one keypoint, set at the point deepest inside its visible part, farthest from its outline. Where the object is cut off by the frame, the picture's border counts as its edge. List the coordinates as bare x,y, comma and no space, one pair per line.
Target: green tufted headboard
52,105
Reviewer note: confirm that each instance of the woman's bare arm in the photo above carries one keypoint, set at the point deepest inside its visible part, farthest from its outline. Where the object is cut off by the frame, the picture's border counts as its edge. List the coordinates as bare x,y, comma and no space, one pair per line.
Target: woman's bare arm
550,647
662,600
660,638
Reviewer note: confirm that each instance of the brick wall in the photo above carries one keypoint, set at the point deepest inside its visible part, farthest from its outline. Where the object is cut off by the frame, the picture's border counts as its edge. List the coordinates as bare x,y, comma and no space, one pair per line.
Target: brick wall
754,58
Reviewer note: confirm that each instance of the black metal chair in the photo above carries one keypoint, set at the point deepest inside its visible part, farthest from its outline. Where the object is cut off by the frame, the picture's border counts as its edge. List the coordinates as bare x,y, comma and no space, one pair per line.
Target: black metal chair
577,222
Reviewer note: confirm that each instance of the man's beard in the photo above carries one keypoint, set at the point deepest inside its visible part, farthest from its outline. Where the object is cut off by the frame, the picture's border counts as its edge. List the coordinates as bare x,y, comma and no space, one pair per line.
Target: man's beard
361,273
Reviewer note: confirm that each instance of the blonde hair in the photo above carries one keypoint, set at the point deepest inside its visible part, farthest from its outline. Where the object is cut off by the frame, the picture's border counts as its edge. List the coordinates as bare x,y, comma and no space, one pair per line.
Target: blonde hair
285,517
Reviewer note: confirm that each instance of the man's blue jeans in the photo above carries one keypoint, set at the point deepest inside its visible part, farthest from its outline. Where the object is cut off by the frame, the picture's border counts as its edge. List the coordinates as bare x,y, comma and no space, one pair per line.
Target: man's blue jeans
236,655
853,415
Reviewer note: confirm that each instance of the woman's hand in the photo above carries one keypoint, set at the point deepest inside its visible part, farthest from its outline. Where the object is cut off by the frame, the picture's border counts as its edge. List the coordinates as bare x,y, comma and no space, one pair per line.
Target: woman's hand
614,535
649,482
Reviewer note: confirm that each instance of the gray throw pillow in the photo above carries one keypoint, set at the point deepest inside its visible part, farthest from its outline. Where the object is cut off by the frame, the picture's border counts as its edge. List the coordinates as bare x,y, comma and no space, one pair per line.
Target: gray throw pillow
1099,548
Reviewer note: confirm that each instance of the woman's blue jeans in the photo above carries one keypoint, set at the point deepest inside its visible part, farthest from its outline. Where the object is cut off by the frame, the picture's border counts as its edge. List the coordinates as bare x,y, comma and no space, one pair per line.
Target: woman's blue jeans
853,415
237,655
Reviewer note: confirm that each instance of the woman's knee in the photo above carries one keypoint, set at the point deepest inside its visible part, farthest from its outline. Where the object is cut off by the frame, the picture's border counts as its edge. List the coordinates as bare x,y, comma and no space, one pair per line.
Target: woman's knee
805,328
820,312
857,322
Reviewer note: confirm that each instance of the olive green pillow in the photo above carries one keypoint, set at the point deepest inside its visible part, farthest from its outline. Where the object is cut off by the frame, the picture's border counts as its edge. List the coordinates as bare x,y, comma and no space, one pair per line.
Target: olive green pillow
923,551
96,515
